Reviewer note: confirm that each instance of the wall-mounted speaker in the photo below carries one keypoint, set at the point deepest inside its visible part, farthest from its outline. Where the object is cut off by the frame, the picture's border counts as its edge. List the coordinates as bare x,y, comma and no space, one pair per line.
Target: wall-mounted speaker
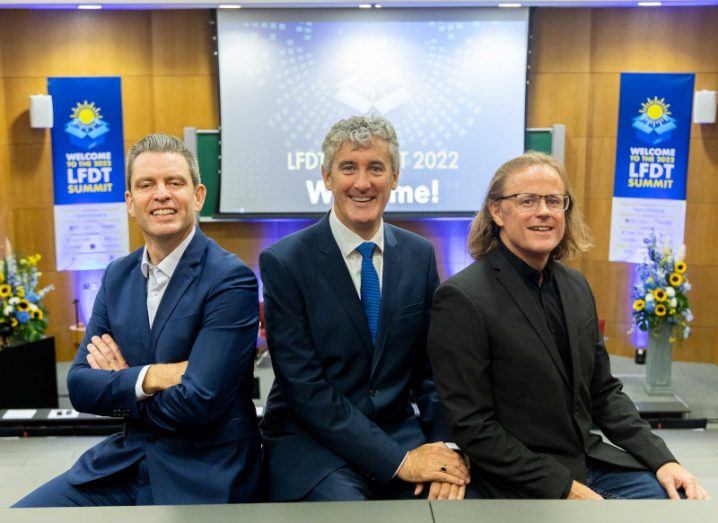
704,107
40,111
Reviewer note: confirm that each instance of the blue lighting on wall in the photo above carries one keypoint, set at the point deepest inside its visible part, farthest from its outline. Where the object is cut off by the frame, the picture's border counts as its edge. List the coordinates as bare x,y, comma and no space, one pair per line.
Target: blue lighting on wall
85,285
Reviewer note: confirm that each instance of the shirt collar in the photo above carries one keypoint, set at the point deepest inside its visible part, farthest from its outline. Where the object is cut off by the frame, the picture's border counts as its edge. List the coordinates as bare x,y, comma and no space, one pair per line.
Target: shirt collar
524,269
348,240
169,264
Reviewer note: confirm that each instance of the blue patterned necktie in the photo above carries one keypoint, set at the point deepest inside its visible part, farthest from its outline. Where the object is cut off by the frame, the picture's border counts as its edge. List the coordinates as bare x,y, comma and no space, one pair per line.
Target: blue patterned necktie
370,290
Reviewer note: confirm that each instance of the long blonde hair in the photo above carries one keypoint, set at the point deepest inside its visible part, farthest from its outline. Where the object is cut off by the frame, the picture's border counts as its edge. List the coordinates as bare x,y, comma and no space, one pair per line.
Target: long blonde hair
484,233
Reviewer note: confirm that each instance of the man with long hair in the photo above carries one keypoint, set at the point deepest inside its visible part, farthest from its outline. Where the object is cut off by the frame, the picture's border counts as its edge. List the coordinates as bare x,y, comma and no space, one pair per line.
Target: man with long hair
519,362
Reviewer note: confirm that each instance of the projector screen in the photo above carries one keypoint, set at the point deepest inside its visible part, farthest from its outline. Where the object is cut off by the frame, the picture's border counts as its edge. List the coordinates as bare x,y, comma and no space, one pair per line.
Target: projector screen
452,81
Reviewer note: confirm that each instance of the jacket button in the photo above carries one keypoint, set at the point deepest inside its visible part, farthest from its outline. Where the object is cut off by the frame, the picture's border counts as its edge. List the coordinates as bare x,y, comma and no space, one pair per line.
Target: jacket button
373,393
151,438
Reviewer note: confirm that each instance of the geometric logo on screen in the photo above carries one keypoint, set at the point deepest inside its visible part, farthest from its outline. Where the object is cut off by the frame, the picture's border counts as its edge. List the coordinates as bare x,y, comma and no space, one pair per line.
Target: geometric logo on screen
654,123
87,128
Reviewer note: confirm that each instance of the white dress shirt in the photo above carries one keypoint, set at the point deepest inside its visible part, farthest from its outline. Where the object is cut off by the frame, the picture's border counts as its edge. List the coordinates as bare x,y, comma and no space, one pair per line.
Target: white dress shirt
158,277
348,241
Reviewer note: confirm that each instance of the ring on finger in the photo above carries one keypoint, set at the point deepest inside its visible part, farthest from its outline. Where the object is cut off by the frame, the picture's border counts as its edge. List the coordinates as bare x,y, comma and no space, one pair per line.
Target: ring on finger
443,468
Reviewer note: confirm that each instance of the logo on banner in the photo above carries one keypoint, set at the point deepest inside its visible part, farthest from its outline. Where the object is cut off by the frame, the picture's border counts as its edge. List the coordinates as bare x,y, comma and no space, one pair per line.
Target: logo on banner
654,124
87,128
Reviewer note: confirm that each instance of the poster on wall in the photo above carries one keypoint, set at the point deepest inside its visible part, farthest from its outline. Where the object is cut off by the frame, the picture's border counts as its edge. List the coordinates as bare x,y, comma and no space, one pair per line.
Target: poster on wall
649,192
88,171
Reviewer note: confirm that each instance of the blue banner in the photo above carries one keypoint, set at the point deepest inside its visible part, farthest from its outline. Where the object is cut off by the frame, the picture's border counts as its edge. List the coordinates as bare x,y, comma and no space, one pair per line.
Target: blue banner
87,140
654,128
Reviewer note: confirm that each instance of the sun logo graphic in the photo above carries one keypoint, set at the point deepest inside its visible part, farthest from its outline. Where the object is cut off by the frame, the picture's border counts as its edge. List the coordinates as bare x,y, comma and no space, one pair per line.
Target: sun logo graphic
87,128
654,123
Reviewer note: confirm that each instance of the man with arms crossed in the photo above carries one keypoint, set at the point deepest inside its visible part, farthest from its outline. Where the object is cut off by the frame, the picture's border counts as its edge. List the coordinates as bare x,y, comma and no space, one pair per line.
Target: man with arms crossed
520,365
170,347
346,303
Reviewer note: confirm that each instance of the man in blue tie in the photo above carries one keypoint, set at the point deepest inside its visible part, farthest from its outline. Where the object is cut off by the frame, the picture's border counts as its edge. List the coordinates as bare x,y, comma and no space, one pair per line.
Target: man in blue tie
347,305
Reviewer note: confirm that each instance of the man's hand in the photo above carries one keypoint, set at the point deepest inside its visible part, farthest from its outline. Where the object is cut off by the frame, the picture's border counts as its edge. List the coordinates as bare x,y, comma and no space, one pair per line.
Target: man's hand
581,491
104,354
672,476
161,376
439,490
434,462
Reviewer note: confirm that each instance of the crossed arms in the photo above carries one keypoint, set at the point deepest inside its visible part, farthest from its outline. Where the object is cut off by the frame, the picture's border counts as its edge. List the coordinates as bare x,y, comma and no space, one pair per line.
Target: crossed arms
188,393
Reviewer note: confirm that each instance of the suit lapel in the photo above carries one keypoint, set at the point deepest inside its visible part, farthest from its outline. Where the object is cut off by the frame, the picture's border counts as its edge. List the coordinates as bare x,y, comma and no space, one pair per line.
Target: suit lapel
523,299
390,279
184,275
335,270
138,293
571,324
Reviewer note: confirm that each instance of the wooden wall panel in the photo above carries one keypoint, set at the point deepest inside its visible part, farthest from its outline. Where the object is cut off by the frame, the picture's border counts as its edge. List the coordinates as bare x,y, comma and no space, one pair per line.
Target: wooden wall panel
33,232
654,40
138,107
626,40
699,347
603,105
60,310
194,94
559,98
709,82
600,167
169,80
4,170
562,41
168,75
76,43
31,183
701,228
702,169
612,306
17,110
183,43
575,162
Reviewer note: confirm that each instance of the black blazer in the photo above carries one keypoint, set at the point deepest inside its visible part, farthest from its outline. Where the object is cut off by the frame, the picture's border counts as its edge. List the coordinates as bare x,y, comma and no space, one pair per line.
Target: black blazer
503,384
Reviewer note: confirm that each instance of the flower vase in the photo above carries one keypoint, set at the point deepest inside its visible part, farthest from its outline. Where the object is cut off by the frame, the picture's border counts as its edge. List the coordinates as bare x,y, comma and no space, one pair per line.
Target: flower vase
659,359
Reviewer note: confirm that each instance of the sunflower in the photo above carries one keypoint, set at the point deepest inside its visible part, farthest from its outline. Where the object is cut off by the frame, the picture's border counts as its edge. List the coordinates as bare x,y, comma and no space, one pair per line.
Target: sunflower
681,267
661,310
23,305
36,314
13,322
639,305
675,279
660,295
5,290
20,291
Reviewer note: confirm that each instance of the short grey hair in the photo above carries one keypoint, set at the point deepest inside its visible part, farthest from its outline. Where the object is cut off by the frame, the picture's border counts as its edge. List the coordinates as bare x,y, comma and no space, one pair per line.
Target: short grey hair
359,131
161,143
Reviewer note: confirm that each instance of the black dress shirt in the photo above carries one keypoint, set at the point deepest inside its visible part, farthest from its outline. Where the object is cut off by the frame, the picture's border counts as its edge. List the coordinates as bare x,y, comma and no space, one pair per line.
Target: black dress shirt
542,286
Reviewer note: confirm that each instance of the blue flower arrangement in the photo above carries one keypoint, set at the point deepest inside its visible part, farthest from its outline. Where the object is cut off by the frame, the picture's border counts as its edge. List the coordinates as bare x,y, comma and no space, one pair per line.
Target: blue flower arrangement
22,315
659,297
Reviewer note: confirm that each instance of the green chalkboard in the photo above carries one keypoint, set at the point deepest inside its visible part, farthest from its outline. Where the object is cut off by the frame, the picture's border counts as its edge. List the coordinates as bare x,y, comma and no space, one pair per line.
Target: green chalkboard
538,140
208,155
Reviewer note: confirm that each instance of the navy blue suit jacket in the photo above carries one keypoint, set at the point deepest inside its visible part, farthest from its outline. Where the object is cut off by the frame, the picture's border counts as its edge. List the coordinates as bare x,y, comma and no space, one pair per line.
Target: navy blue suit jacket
200,438
336,399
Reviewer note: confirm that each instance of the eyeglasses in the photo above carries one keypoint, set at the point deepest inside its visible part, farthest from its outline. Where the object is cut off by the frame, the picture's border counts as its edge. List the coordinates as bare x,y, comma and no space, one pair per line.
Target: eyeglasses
530,202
